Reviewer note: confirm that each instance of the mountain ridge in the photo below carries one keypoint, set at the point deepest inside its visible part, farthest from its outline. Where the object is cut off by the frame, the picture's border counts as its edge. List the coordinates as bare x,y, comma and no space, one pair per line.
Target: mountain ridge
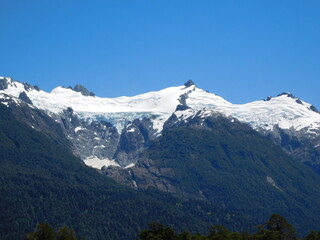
279,118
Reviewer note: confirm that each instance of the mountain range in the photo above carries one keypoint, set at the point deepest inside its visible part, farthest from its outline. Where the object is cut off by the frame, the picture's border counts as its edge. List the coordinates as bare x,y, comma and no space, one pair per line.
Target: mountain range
286,119
251,159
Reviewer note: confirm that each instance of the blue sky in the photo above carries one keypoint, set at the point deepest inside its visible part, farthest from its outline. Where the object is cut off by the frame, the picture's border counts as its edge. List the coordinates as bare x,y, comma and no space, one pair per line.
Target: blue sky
240,50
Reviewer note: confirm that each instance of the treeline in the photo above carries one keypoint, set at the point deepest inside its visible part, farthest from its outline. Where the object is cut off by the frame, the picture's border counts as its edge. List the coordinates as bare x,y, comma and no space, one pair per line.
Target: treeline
276,228
45,232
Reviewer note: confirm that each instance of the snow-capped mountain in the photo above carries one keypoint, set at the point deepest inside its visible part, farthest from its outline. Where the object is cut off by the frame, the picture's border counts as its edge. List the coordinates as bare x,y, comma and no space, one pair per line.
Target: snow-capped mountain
284,110
115,130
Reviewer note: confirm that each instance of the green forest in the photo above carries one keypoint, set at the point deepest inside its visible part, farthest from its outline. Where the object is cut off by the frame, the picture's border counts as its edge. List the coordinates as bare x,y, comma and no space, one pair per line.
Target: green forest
276,228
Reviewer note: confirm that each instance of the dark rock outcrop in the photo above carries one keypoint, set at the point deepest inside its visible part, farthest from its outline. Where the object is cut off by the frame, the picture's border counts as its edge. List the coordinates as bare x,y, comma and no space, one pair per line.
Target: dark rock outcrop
313,108
189,83
23,96
182,107
81,89
29,87
135,137
3,84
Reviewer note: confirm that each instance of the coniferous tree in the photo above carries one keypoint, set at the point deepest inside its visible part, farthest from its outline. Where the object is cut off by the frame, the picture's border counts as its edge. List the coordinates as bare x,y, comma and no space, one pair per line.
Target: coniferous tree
313,235
158,232
276,228
219,233
65,233
44,232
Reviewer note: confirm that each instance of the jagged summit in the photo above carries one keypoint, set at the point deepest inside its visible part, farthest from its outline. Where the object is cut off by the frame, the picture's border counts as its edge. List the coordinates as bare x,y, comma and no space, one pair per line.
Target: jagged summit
189,83
81,89
288,94
296,99
5,82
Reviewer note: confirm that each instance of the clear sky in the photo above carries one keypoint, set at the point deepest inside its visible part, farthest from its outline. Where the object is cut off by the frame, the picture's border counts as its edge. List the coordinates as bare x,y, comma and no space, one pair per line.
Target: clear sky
241,50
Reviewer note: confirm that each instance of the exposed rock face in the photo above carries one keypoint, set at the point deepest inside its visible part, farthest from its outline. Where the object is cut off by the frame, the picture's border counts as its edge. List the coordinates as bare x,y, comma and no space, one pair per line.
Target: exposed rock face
90,138
286,94
189,83
181,107
3,84
135,137
4,81
102,139
81,89
313,108
303,145
146,174
28,87
131,144
23,96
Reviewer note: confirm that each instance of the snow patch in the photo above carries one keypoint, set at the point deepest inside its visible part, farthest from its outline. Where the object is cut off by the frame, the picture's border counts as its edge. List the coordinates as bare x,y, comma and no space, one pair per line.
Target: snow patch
130,128
273,183
183,115
5,103
101,146
77,129
129,166
134,183
95,162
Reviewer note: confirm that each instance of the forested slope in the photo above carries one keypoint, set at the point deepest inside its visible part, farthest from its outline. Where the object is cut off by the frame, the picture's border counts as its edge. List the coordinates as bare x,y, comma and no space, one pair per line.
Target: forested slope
42,182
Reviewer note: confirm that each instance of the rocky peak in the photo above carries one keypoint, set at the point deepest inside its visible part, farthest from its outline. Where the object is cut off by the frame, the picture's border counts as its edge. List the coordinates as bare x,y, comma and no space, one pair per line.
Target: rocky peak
290,95
81,89
3,84
313,108
8,81
182,107
189,83
28,87
23,96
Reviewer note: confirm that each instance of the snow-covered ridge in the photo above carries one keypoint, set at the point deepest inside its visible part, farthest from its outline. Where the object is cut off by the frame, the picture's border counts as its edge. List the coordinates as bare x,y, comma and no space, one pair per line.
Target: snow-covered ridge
284,110
160,104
